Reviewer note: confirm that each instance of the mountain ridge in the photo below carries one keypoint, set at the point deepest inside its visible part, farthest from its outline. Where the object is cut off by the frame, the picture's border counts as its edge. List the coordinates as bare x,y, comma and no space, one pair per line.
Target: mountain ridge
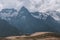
26,21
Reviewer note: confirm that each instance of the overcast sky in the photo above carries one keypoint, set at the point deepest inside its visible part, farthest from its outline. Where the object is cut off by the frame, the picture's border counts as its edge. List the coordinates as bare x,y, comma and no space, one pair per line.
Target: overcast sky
32,5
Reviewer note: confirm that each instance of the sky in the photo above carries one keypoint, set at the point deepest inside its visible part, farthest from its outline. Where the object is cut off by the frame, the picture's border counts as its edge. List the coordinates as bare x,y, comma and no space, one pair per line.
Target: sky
33,5
10,4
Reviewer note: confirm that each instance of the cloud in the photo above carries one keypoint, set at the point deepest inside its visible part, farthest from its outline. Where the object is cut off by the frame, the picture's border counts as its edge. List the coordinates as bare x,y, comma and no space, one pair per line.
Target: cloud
33,5
11,3
44,5
1,6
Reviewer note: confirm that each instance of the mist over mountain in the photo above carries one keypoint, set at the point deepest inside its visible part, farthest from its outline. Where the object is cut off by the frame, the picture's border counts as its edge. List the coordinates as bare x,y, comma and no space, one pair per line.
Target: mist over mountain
30,22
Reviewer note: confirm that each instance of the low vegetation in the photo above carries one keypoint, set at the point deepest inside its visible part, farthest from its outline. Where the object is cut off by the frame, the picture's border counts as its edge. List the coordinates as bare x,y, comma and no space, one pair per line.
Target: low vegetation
35,36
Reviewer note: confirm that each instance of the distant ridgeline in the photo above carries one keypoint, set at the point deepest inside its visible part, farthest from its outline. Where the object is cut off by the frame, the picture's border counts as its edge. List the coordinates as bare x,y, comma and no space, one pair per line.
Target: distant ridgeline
14,22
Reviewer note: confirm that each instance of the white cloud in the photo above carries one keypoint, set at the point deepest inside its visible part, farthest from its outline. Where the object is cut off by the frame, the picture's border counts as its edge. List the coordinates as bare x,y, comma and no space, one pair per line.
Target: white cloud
33,5
44,5
11,3
1,6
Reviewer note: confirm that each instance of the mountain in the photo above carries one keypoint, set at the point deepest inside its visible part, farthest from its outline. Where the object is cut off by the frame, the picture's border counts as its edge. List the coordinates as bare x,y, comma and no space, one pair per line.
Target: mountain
7,29
25,20
48,22
30,22
52,24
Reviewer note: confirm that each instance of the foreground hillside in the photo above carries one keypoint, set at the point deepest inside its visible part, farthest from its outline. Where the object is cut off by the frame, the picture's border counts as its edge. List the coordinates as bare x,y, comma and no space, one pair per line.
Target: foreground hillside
35,36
